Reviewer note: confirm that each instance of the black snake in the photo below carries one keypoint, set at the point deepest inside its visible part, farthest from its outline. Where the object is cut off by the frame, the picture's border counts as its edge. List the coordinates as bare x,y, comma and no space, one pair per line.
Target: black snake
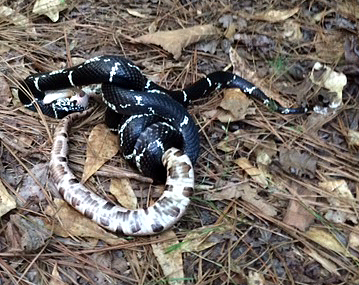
155,130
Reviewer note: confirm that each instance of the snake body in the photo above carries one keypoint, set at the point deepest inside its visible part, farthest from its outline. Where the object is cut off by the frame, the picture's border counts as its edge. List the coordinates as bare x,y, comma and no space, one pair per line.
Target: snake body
156,133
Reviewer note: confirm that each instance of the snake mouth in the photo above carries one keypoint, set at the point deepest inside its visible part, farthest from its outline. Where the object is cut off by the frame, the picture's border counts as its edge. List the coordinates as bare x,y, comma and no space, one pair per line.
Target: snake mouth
76,96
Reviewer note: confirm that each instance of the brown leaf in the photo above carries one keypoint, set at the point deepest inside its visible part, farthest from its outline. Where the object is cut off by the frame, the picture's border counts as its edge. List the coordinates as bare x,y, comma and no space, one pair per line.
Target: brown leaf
32,231
241,68
272,16
122,190
5,92
68,222
175,41
301,163
252,171
236,103
250,195
297,215
102,146
227,192
169,257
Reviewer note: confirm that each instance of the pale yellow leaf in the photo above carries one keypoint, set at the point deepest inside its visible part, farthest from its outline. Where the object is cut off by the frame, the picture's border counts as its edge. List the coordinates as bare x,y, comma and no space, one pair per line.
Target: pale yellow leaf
50,8
135,13
257,175
7,202
292,31
327,240
102,146
169,257
353,137
175,41
12,16
205,237
55,277
274,16
122,190
68,222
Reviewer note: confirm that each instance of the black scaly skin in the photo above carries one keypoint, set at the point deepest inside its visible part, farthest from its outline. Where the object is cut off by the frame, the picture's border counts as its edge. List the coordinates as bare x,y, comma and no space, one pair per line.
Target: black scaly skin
146,110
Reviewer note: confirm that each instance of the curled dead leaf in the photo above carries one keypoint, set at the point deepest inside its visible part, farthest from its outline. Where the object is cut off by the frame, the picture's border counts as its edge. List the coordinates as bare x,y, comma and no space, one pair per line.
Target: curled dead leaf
175,41
236,103
50,8
326,77
272,16
252,171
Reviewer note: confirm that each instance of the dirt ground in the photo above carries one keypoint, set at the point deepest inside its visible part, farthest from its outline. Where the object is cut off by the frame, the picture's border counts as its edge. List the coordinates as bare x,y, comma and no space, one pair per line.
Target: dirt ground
275,199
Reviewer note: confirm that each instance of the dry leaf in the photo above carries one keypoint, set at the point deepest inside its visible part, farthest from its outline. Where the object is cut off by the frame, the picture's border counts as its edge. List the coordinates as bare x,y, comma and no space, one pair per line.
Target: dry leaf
300,163
353,137
13,17
230,191
273,16
102,146
339,189
326,77
122,190
175,41
354,239
7,202
250,195
255,278
326,240
236,103
50,8
252,171
297,215
169,259
55,277
135,13
292,31
241,68
204,237
327,264
68,222
31,231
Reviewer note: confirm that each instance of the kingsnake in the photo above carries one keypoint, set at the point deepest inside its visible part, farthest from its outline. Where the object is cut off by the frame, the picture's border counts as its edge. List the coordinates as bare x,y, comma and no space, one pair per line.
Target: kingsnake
155,130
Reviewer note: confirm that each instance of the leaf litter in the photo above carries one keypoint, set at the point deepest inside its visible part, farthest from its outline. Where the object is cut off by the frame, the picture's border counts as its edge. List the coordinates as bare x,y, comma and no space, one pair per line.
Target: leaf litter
276,200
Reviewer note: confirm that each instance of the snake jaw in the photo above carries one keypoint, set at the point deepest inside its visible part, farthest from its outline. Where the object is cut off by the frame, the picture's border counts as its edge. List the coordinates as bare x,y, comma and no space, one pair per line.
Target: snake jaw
81,99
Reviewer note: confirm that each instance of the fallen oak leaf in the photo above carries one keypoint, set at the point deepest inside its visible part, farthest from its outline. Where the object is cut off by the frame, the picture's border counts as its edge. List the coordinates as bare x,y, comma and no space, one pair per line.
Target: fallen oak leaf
7,202
175,41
